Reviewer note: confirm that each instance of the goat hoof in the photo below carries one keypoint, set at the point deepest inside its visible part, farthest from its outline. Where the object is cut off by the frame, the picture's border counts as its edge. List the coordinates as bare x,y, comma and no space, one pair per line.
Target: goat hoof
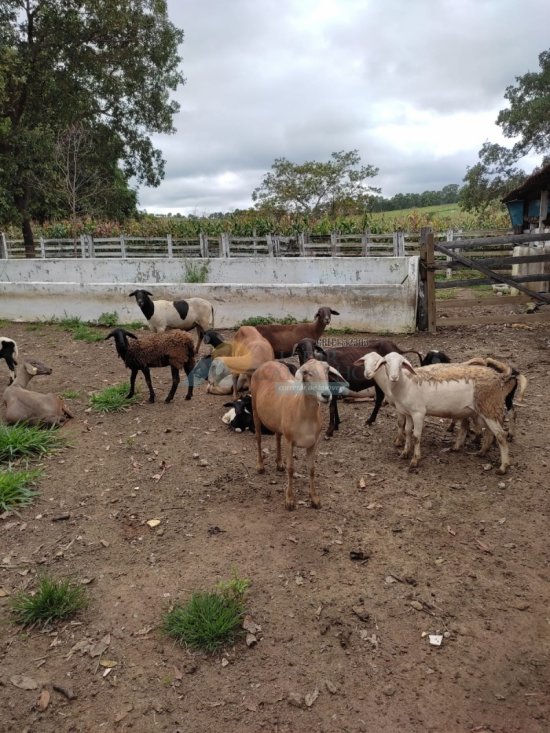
188,397
168,399
316,504
260,469
151,400
501,470
290,505
281,467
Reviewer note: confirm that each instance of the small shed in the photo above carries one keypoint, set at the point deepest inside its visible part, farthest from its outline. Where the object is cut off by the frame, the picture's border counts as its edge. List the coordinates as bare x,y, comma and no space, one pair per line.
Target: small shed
528,205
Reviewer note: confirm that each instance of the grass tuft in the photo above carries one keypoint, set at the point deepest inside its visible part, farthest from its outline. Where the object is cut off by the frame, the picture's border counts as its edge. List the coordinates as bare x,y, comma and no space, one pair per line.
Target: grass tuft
20,441
266,321
209,619
112,399
70,394
15,487
53,600
109,319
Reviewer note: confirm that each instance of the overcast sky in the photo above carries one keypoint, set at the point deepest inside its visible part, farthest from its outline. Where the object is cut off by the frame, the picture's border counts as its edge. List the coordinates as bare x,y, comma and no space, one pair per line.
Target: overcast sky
414,85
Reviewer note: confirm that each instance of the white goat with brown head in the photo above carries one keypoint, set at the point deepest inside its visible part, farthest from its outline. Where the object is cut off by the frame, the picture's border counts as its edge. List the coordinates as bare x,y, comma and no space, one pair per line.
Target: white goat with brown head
290,406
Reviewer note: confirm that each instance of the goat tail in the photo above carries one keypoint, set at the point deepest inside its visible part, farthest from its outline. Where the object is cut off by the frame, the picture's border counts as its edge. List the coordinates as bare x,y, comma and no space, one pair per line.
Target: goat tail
522,386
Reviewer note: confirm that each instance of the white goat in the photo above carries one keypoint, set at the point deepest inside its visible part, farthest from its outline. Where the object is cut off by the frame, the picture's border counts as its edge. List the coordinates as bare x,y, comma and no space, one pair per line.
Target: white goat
33,408
458,391
186,315
291,406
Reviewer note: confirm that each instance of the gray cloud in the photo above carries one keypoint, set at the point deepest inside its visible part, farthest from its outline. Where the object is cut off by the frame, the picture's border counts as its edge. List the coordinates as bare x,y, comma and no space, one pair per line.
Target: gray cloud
415,87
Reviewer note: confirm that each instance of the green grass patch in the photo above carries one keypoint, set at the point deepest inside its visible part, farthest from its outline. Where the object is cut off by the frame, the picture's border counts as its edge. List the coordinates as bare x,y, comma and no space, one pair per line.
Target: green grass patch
133,325
54,600
83,332
209,619
70,394
445,294
112,399
24,441
338,331
109,319
266,321
195,273
16,487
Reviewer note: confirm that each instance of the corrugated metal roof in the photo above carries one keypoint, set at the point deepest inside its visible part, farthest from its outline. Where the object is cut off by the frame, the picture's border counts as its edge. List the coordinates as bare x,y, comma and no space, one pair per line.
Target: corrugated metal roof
537,182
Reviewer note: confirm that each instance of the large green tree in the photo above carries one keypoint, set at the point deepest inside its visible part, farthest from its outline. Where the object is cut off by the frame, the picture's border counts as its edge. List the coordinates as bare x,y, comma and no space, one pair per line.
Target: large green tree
527,121
107,64
314,187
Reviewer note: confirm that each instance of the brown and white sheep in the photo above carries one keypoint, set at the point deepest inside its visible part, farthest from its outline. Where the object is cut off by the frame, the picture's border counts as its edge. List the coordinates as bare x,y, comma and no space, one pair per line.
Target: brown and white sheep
33,408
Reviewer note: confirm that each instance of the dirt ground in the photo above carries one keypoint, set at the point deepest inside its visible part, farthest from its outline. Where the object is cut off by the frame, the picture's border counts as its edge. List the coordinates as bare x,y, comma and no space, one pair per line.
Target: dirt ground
453,549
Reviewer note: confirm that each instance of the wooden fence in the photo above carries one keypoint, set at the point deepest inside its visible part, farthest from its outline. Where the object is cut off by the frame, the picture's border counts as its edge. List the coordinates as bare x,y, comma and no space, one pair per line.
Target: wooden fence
227,245
511,260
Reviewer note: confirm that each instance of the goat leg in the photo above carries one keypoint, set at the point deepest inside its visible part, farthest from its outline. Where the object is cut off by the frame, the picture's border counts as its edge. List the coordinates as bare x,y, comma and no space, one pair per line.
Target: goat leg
333,417
310,455
290,496
133,376
175,382
378,399
280,464
200,336
258,430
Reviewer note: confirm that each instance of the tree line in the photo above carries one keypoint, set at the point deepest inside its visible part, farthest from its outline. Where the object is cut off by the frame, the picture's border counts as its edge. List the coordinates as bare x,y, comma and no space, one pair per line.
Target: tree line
84,84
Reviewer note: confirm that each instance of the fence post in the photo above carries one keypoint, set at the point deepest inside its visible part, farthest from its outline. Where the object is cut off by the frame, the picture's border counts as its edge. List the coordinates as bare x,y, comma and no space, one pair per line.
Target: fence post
83,246
203,244
269,242
91,245
398,244
122,246
302,244
42,248
426,304
333,244
3,247
365,239
225,246
276,246
449,237
169,245
254,242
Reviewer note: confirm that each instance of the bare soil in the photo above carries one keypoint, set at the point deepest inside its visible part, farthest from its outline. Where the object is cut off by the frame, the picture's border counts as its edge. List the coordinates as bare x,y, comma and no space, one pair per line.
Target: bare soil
452,549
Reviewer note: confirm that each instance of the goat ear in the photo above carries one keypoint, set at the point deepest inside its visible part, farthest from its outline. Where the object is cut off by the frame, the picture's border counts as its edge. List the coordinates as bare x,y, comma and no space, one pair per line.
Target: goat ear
317,315
229,404
130,334
134,292
148,293
408,366
383,361
109,336
319,353
337,374
334,313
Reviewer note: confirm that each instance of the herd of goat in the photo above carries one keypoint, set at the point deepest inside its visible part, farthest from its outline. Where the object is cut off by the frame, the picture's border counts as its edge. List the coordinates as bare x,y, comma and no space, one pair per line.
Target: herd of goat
276,397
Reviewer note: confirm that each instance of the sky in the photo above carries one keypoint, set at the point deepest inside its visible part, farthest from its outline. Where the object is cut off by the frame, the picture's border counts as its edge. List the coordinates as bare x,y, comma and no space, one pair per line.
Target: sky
414,85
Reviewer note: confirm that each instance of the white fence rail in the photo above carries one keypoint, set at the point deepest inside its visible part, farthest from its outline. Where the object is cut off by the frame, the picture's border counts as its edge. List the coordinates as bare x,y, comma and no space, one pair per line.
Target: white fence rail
365,244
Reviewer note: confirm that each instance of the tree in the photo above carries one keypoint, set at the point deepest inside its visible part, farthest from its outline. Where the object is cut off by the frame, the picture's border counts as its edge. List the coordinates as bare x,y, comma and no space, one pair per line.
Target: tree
527,119
313,187
109,64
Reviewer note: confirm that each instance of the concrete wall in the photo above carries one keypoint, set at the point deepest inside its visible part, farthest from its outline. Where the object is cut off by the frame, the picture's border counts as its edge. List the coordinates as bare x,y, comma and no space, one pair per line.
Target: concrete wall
372,294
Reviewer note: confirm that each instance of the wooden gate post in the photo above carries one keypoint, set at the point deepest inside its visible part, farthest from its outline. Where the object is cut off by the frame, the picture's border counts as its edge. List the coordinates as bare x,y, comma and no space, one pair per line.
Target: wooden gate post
427,306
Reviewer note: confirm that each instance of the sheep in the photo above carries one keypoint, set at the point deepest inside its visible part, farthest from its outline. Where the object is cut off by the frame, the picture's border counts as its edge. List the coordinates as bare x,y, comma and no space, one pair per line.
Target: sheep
283,337
8,352
458,391
291,406
173,349
343,359
250,350
434,356
33,408
186,315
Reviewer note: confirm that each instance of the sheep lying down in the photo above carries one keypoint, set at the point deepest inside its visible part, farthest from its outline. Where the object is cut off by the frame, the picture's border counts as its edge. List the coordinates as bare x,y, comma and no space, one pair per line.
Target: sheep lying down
33,408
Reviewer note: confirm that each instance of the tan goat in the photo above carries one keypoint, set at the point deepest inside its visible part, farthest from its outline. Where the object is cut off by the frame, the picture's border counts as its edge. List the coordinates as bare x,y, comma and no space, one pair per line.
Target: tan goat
33,408
291,406
250,351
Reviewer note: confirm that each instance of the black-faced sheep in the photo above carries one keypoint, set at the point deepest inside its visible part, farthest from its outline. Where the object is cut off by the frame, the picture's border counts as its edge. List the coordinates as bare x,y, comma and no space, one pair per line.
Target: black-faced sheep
152,350
8,351
33,408
180,314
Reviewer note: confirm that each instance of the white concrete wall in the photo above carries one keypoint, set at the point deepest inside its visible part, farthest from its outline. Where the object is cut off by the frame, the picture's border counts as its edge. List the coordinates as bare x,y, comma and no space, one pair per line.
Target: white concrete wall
372,294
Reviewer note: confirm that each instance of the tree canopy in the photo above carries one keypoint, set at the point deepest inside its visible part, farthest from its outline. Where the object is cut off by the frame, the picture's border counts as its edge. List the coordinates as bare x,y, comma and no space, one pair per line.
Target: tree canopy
527,121
106,64
315,187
